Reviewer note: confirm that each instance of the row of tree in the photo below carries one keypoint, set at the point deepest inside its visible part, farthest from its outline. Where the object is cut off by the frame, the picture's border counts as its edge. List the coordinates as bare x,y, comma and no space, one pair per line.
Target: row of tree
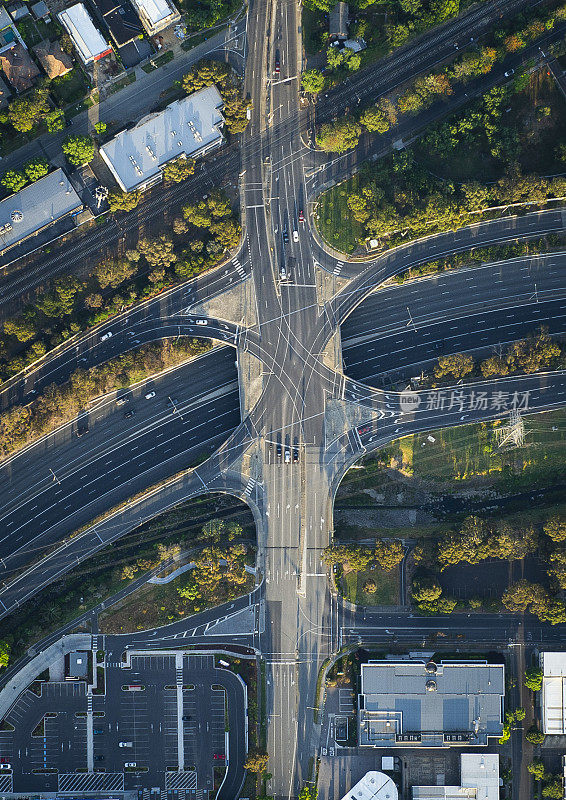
58,405
398,199
356,558
478,540
536,351
344,134
71,305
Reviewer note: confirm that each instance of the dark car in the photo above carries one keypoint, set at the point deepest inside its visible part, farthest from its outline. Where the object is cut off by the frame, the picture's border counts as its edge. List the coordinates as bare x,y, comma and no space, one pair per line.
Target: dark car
285,235
295,455
130,413
99,758
186,717
279,450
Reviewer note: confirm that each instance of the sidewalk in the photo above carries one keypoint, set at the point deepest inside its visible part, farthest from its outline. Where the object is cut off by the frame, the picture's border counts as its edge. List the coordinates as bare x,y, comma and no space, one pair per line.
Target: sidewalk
126,106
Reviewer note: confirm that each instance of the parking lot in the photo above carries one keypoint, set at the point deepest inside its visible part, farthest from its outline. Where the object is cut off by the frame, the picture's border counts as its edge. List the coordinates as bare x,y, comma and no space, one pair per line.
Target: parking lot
162,721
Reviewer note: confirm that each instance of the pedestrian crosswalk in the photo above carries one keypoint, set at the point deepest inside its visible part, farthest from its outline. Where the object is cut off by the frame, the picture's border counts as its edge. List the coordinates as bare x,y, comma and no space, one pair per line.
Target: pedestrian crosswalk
249,488
338,267
238,267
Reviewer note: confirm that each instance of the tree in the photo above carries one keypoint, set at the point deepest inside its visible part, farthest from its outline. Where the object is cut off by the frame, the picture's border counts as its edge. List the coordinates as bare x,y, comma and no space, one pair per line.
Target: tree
14,180
178,170
226,232
379,118
494,365
218,204
313,81
520,714
534,352
339,136
113,273
536,768
555,528
198,215
36,168
533,679
21,328
158,252
388,554
5,650
55,121
534,736
256,761
457,365
101,128
425,590
78,149
308,793
179,226
123,201
553,790
353,558
93,300
26,112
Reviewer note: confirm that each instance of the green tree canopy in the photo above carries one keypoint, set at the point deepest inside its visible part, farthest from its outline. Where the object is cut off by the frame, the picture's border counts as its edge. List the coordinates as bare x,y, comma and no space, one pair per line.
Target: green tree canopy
123,201
5,650
36,168
26,112
79,150
313,81
14,180
178,170
339,136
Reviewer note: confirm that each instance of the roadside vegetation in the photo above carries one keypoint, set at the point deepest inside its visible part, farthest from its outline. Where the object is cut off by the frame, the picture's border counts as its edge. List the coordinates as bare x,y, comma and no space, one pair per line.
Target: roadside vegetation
535,352
198,523
218,576
483,255
471,167
368,576
382,25
196,242
60,404
427,89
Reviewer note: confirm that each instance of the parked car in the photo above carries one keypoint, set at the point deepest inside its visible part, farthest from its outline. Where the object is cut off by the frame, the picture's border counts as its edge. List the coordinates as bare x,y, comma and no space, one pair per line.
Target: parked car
149,395
106,336
129,413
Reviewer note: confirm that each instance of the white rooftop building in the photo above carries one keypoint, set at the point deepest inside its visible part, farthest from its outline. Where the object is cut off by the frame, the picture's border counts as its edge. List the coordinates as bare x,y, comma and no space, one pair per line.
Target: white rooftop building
156,14
87,39
187,128
373,786
35,207
553,703
479,780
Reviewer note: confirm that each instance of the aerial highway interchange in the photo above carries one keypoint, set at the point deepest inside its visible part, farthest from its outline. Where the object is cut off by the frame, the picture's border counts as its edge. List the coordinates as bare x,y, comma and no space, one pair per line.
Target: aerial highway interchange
314,366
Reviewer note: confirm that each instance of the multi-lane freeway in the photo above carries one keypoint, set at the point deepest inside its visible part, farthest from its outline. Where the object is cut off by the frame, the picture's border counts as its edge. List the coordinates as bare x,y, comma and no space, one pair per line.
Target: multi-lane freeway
304,423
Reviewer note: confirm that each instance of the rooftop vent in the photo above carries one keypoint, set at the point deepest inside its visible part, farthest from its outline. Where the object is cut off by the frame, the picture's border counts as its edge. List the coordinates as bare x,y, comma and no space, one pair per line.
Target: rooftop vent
16,216
430,685
431,668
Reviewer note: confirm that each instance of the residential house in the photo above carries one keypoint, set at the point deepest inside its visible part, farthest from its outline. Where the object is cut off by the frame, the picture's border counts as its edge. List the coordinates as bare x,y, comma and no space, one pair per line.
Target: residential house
53,59
19,68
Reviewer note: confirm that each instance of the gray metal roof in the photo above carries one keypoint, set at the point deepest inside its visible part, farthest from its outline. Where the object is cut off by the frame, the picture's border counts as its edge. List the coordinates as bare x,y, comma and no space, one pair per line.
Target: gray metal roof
36,206
461,697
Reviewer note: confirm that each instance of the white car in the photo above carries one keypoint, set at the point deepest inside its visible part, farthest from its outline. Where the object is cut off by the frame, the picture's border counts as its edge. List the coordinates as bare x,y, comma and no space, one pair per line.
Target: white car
106,336
149,395
295,236
5,766
202,322
125,744
509,73
130,764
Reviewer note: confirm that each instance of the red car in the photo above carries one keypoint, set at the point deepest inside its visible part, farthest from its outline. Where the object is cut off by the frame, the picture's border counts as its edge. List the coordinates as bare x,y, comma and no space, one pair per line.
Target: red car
301,216
277,67
219,756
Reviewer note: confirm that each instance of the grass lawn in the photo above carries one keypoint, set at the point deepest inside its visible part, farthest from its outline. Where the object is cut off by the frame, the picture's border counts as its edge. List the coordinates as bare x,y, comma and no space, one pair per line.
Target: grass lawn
335,222
153,605
314,25
35,31
69,88
469,451
155,63
352,584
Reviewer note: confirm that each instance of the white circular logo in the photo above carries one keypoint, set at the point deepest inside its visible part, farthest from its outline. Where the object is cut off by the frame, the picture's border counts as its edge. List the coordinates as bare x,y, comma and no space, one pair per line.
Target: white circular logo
409,401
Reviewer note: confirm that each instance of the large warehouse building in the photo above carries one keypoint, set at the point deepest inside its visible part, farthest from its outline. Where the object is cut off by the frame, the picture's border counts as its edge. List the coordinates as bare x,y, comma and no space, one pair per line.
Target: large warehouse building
553,697
420,704
187,128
